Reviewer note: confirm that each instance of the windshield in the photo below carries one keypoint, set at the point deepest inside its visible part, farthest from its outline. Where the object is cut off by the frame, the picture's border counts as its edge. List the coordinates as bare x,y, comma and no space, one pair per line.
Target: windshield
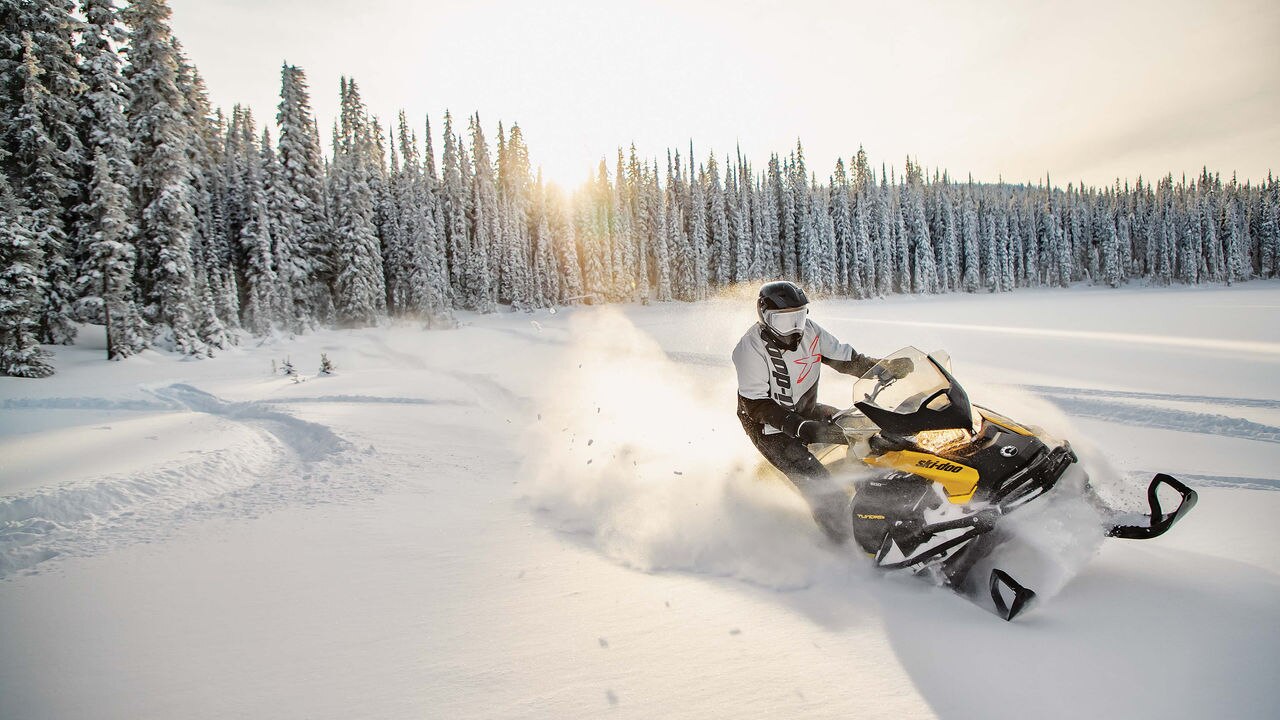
902,382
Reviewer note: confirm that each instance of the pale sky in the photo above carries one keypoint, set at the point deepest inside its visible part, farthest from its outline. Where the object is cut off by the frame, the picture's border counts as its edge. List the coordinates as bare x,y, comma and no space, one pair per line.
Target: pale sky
1089,90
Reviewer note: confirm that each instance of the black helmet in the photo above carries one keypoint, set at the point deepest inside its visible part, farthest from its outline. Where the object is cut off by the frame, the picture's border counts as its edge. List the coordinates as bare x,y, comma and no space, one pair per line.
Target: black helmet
783,308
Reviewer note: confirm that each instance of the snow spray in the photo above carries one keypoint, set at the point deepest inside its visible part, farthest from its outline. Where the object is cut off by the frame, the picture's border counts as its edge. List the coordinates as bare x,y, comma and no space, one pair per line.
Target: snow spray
646,456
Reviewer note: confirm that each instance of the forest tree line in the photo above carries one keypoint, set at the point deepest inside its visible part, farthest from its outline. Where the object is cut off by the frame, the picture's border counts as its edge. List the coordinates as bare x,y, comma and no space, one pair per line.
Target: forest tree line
127,200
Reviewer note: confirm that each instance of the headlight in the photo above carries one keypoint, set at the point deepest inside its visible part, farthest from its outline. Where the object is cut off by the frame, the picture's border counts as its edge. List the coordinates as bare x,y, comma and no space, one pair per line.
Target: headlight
935,441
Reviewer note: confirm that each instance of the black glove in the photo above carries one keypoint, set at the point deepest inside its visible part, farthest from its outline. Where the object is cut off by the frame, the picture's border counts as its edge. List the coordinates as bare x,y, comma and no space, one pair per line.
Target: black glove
900,367
821,431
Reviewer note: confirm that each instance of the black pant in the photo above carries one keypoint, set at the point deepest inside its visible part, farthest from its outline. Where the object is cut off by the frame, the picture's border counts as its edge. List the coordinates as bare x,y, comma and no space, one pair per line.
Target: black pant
791,456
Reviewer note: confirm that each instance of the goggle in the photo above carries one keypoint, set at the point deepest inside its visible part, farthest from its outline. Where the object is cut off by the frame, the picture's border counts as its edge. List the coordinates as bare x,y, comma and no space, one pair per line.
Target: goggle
787,322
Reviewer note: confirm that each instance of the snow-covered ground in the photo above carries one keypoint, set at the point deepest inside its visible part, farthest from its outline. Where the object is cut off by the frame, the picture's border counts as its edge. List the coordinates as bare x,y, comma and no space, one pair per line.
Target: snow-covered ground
556,515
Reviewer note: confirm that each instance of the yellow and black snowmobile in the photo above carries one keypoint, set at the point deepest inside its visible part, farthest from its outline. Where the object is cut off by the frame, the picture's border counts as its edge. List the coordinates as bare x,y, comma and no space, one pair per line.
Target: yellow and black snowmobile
949,471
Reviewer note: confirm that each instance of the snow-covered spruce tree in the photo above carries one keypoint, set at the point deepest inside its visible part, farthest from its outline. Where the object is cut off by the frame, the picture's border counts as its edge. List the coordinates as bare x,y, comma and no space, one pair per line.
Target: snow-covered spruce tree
768,259
285,225
637,204
515,268
788,222
455,198
693,204
697,241
359,293
480,262
566,248
948,244
103,130
1235,266
924,274
586,232
739,210
159,133
1268,211
257,275
672,238
901,243
505,263
1190,251
841,228
439,251
546,280
622,227
1206,217
1061,248
660,251
719,244
106,275
884,255
423,278
862,271
1006,252
602,230
819,204
1112,274
20,289
210,244
395,259
988,241
212,250
46,181
303,187
1031,241
52,27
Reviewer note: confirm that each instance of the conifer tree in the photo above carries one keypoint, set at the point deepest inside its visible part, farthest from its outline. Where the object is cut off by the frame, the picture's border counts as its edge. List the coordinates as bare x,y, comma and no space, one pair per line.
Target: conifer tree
47,176
254,240
20,290
862,271
455,195
106,276
971,279
302,193
901,246
1111,256
567,261
359,289
924,275
293,307
103,129
948,245
160,133
698,251
740,224
484,224
719,244
546,281
885,257
841,229
45,31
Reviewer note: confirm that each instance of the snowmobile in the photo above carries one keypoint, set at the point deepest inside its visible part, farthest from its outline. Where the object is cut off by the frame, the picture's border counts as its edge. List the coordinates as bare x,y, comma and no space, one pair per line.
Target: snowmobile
947,471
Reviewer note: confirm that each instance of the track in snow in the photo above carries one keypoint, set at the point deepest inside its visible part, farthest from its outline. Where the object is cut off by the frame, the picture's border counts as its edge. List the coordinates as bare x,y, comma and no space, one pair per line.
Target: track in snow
269,458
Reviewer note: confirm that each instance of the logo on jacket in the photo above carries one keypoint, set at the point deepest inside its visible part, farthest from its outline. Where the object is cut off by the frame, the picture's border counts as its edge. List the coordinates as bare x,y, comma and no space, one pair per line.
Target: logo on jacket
781,378
809,362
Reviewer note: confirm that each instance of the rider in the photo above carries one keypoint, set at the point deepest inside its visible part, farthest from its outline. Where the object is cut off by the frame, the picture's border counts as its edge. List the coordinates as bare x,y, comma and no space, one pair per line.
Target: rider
778,362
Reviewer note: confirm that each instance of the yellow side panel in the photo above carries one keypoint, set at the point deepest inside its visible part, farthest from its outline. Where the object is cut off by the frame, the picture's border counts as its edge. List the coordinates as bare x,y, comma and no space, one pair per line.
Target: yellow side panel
959,481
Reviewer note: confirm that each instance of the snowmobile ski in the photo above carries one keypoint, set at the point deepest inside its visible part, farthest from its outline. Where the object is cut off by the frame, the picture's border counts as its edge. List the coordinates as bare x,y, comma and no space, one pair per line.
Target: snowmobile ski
1158,523
1001,580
